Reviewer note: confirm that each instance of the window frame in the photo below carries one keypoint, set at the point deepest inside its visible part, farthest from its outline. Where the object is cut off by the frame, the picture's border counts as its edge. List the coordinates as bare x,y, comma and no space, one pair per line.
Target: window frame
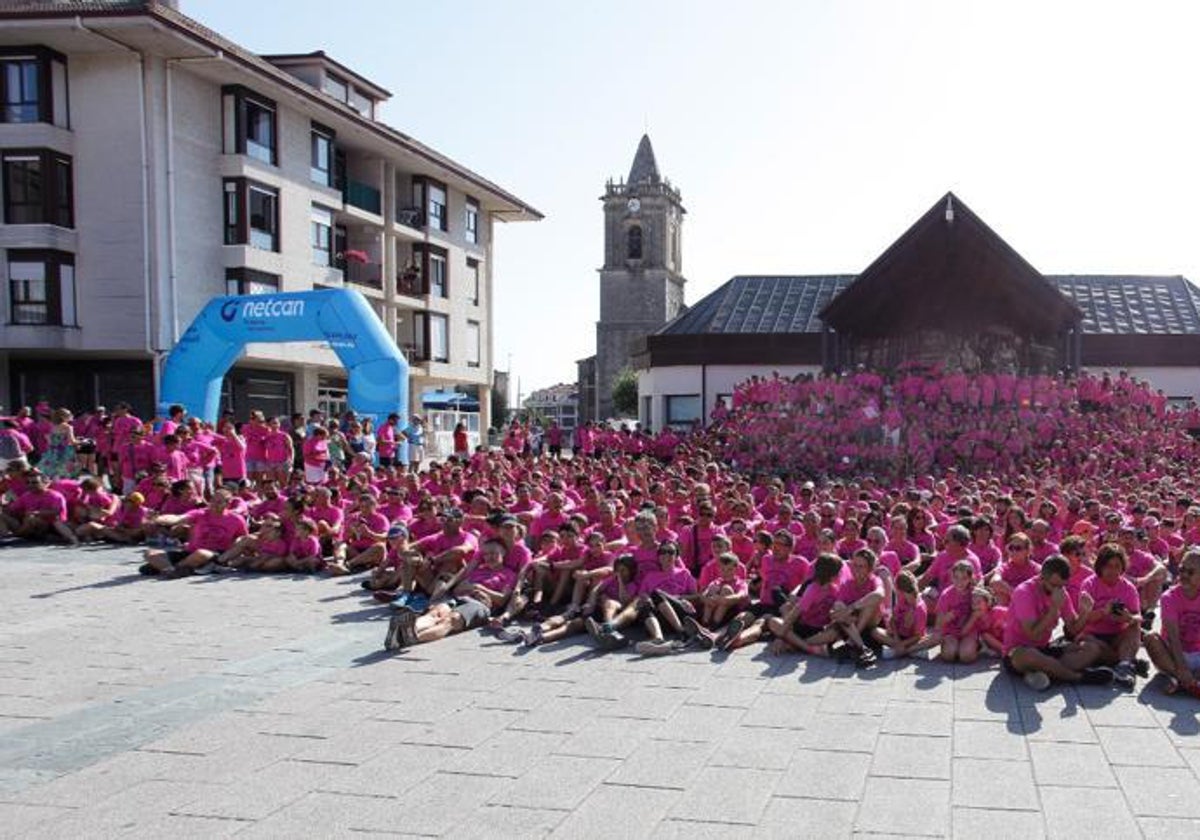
471,221
474,327
245,280
437,317
52,209
428,252
634,241
236,209
243,97
54,299
437,221
315,226
45,60
474,283
669,414
319,134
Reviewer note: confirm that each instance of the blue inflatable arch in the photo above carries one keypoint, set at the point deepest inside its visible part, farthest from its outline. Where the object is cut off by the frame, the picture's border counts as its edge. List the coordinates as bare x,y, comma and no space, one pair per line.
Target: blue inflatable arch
378,373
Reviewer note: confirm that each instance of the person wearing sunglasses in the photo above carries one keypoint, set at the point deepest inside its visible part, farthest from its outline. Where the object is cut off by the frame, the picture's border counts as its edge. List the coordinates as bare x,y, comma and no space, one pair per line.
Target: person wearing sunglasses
1175,650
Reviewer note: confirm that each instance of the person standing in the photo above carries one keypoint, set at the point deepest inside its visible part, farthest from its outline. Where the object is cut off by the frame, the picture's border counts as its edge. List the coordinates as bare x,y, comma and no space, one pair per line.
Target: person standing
414,433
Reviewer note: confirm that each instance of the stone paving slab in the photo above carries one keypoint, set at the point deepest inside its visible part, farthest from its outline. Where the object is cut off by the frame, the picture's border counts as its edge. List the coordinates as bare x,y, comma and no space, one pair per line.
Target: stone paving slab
248,706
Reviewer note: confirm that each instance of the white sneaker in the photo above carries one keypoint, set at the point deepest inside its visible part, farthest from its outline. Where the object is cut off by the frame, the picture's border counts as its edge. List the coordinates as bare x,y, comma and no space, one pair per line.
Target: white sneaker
1037,680
652,648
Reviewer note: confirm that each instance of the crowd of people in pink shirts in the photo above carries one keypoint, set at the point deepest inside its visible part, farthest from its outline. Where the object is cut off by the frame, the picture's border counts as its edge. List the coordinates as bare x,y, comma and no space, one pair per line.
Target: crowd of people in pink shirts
1062,565
925,420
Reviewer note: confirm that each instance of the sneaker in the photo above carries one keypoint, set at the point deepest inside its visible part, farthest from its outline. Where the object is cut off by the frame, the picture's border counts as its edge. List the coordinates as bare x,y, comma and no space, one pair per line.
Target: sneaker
616,640
147,569
408,627
864,658
1142,667
1037,680
533,636
1125,676
732,630
704,639
653,648
593,627
1097,675
510,634
571,612
691,627
394,640
1148,620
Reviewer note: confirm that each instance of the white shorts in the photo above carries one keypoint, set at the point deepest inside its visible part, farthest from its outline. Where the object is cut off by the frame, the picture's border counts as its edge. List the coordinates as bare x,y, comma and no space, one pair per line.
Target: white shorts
416,453
314,474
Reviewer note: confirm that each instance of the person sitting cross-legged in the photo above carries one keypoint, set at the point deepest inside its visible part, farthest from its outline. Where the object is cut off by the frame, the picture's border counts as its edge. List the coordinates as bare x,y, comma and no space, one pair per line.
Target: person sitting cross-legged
1176,650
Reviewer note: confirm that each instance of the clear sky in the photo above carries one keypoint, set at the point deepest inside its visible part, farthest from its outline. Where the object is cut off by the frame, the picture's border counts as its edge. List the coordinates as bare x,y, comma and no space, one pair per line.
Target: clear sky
805,136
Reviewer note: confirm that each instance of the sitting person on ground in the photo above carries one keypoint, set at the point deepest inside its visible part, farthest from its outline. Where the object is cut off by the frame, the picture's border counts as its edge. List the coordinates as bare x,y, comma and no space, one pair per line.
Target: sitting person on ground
211,531
1114,619
124,526
38,513
804,621
610,594
905,631
462,603
1175,650
1037,606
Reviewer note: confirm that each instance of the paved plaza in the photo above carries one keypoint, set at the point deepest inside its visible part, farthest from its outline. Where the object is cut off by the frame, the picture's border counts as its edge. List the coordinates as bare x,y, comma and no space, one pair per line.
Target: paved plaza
265,707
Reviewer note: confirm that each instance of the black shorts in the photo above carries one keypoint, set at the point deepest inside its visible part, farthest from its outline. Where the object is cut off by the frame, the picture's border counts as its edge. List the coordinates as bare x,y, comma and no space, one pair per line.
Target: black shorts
473,613
386,461
85,446
804,631
176,555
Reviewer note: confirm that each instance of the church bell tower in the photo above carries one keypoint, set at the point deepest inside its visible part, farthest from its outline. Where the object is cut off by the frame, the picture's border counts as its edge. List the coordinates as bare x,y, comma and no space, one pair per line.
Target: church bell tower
641,282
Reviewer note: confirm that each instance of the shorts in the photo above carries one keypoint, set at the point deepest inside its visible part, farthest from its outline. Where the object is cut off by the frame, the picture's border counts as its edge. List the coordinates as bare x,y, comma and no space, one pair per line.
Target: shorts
386,460
416,453
804,631
473,613
314,474
256,466
1054,650
85,446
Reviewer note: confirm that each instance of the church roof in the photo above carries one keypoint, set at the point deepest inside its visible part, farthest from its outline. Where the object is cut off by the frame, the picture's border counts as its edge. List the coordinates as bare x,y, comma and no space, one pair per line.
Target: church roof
645,167
1111,304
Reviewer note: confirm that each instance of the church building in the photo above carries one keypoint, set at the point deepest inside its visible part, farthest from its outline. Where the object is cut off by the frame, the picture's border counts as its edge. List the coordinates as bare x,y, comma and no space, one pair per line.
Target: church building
948,291
641,281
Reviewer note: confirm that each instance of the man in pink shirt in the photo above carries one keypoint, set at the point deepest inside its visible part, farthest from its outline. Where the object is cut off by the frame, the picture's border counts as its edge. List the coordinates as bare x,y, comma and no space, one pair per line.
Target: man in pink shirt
1034,613
212,530
1175,651
37,512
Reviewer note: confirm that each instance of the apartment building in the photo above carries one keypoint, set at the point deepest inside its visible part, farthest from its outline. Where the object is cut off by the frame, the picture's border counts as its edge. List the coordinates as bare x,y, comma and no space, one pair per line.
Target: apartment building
149,164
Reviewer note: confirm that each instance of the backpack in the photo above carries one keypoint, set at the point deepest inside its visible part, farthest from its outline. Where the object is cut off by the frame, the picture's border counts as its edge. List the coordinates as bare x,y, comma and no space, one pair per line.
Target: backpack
10,449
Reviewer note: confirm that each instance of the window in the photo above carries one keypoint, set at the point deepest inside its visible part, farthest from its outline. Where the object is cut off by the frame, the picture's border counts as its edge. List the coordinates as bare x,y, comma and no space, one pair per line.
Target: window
336,87
437,275
473,281
251,214
683,409
633,247
361,103
322,155
473,346
41,288
249,124
38,188
33,86
432,196
472,221
434,270
322,235
247,281
439,344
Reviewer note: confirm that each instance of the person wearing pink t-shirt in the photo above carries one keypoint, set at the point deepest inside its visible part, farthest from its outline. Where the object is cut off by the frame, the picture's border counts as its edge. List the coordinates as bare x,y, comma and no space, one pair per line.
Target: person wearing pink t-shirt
905,632
123,526
1114,619
804,623
1142,570
937,576
1015,570
1036,608
663,593
278,451
37,512
721,591
264,551
1175,650
363,534
956,621
463,602
211,531
304,548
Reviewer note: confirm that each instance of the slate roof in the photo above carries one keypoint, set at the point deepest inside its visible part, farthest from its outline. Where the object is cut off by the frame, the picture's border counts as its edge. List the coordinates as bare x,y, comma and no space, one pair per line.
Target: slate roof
1111,304
645,167
1133,305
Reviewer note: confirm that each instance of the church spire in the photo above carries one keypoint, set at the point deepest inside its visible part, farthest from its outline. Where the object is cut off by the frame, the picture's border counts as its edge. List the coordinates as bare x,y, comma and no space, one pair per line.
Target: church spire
645,167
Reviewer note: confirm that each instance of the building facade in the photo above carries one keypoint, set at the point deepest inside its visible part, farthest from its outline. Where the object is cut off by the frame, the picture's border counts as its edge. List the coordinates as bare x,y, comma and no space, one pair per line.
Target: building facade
948,291
641,281
559,403
151,164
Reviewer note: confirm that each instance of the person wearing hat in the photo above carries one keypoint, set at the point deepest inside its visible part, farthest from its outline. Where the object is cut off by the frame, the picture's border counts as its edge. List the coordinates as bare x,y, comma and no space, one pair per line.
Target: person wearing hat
387,577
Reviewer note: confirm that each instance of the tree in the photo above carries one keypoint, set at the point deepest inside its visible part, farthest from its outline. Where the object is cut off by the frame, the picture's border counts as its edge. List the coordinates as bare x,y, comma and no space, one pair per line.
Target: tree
625,394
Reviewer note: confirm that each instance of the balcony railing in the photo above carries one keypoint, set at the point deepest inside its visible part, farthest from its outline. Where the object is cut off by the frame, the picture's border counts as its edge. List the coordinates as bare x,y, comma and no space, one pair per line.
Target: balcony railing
411,284
415,352
362,196
411,217
365,274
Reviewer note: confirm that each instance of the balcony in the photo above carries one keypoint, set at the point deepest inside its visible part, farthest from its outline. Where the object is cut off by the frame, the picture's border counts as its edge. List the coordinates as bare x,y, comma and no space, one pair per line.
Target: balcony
363,196
367,274
411,217
411,284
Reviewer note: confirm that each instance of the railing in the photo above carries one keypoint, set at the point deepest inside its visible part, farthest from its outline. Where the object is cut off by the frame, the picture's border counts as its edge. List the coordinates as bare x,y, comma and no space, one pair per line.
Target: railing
415,352
410,284
362,196
365,274
411,217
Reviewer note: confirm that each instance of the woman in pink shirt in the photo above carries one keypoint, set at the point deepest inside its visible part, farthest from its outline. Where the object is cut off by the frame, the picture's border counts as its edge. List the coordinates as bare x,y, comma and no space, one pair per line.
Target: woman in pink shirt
231,448
956,620
803,623
1114,619
315,450
278,452
905,631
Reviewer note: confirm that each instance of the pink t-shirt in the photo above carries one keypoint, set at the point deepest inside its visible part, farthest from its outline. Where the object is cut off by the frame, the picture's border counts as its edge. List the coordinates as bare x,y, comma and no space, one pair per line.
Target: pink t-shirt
276,447
1102,595
678,581
1178,609
956,603
302,547
939,570
1014,574
815,603
214,532
910,618
1029,603
497,580
789,574
48,503
439,543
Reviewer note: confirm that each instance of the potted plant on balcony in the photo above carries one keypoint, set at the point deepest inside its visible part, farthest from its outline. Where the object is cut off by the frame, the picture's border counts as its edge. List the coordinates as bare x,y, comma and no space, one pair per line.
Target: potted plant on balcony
353,256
